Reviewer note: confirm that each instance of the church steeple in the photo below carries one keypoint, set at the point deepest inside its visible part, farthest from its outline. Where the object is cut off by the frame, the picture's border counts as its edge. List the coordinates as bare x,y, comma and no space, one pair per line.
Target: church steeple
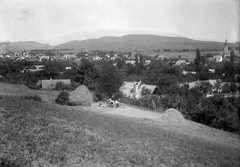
225,44
225,49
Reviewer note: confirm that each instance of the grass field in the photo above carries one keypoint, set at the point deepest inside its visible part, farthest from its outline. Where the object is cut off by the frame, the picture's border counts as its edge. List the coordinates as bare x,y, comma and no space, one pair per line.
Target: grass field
45,134
22,90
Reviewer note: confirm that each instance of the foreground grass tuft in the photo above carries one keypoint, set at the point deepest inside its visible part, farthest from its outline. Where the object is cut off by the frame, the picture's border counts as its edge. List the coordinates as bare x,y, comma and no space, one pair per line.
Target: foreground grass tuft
40,134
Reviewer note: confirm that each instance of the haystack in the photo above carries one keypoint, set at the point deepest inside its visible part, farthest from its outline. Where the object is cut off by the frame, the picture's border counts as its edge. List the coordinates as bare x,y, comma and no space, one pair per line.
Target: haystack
172,116
81,96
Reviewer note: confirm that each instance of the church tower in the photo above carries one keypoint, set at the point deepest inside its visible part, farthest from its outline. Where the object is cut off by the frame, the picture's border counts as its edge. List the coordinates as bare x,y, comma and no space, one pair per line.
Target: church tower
225,48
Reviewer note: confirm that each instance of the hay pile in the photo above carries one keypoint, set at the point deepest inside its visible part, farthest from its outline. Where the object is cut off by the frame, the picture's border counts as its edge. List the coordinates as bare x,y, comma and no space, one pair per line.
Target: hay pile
81,96
172,116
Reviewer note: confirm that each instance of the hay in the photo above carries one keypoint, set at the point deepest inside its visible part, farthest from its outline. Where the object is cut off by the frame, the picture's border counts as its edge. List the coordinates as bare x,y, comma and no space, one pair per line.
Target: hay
172,116
81,96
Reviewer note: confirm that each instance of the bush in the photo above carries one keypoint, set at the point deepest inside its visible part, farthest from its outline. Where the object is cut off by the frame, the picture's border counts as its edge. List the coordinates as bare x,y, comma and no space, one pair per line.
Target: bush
63,98
35,98
62,86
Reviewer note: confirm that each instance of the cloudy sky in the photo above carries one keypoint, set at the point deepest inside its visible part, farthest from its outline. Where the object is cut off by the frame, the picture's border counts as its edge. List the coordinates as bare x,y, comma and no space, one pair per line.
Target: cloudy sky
58,21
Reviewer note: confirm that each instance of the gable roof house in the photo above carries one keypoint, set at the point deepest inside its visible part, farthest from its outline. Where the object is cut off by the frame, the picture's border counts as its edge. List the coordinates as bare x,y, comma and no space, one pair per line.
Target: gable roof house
130,61
51,83
218,58
134,89
180,62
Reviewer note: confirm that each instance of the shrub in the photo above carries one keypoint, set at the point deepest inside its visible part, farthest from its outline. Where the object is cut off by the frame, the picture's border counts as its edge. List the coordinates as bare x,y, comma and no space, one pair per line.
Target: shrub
63,98
62,86
35,98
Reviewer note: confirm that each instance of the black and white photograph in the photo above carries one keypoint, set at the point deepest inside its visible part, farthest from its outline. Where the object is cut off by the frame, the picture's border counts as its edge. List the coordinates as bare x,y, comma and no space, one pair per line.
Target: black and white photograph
119,83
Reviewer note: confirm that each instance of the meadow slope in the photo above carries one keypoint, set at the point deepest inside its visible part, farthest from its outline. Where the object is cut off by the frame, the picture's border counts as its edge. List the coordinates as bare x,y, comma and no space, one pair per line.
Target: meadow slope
46,134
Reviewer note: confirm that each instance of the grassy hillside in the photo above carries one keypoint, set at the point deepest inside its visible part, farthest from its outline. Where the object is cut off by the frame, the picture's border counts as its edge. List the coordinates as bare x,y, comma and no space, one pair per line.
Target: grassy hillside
22,90
43,134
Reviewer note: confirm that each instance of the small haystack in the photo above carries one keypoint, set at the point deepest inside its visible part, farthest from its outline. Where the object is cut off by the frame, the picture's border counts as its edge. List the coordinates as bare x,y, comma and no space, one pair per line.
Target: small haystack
81,96
172,116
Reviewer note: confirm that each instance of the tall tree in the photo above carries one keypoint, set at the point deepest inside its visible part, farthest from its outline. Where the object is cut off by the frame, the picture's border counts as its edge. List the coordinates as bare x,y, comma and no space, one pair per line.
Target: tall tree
232,55
111,79
136,58
197,60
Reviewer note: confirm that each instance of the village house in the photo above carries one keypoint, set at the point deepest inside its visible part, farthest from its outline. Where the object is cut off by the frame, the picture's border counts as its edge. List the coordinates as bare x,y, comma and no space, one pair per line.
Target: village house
157,56
39,66
130,61
44,57
114,57
189,72
95,58
134,89
35,68
199,83
51,83
69,56
68,68
181,62
217,85
211,70
147,62
218,58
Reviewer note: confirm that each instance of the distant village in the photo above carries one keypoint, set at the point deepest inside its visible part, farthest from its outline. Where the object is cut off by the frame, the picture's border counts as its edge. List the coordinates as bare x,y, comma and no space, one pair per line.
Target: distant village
202,83
126,58
129,57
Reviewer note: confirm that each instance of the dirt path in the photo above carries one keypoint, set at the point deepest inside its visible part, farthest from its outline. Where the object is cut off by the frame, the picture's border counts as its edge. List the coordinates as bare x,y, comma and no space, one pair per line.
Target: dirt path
126,110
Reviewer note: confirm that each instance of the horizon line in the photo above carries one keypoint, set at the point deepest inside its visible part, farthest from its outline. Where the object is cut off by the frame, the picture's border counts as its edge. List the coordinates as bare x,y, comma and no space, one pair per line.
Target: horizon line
48,43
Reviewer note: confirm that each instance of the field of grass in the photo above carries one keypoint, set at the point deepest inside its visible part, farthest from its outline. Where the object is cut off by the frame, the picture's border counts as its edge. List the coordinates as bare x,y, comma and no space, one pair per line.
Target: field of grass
22,90
45,134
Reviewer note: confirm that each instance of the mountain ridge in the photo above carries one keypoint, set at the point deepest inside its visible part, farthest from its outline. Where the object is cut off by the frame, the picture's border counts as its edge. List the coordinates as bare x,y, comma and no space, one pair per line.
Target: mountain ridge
129,42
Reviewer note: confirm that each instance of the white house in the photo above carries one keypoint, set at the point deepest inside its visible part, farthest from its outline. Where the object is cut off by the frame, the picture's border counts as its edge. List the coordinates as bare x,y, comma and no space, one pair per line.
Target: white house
134,89
147,62
211,70
189,72
180,62
44,57
50,84
68,68
130,61
69,56
218,58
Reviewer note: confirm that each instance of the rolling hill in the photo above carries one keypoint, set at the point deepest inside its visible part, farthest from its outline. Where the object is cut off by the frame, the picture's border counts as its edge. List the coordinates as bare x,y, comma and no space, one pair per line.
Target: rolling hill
139,42
21,46
124,43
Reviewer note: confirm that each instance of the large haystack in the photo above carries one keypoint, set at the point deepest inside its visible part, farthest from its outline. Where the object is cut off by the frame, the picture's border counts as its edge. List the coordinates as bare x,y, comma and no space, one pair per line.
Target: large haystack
172,116
81,96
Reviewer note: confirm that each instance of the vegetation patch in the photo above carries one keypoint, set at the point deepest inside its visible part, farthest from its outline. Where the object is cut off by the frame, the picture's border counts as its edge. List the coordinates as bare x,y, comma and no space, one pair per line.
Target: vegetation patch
35,98
63,98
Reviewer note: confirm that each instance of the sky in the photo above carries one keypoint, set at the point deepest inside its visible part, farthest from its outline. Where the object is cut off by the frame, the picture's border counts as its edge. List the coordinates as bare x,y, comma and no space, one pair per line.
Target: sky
58,21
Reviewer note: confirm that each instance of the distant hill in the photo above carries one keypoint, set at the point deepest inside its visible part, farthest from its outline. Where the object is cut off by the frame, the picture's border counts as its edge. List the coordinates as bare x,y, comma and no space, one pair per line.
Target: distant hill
124,43
139,42
21,46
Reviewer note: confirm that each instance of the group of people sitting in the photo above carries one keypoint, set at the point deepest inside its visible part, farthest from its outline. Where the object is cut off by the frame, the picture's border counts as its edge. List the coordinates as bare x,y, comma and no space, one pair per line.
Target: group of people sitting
110,103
